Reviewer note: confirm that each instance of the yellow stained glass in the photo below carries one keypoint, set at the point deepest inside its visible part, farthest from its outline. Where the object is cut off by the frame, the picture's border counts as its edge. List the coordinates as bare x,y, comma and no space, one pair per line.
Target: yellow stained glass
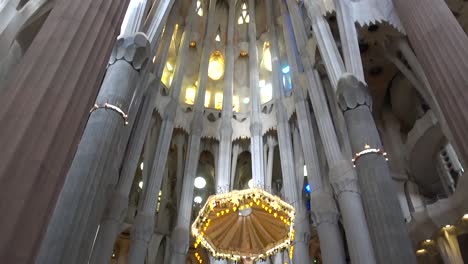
190,95
219,101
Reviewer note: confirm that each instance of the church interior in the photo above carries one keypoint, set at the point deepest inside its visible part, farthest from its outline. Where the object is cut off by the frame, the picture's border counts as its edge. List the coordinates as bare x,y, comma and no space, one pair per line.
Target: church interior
233,131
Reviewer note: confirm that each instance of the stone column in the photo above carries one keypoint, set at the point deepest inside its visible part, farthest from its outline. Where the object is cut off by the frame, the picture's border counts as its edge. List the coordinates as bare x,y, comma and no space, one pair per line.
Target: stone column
440,45
348,36
386,222
117,207
271,144
256,140
325,40
61,70
223,177
181,233
92,170
449,248
235,154
301,225
144,222
134,18
324,212
179,141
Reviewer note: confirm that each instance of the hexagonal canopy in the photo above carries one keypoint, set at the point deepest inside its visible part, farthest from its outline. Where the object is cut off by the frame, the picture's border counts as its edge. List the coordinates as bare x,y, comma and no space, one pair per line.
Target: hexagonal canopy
250,223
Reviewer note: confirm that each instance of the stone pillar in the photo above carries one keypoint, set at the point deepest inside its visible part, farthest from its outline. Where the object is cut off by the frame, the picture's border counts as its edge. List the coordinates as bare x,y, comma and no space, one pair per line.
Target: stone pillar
325,40
301,224
181,233
235,154
256,140
440,45
117,207
449,248
348,36
223,177
271,144
179,141
61,70
324,211
92,170
386,222
145,216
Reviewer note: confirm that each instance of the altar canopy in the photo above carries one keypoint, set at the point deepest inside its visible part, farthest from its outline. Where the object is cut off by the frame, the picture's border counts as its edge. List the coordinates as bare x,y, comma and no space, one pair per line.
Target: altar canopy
244,224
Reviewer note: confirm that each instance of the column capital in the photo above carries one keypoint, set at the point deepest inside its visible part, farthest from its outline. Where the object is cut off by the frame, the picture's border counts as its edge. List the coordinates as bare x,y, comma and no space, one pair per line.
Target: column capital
343,177
271,142
324,209
133,49
143,227
116,210
352,93
179,140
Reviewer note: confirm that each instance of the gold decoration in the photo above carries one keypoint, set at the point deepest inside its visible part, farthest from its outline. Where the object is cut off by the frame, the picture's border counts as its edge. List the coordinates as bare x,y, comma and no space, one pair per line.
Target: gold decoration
248,214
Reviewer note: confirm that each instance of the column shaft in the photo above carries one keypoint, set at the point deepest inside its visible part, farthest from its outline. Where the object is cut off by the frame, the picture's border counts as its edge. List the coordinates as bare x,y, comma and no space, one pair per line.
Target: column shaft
386,222
256,140
440,45
325,214
92,169
225,143
61,70
181,233
145,218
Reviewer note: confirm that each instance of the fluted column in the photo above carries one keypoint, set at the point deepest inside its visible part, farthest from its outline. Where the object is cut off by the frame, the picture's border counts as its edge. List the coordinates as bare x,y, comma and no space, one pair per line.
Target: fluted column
144,221
134,18
386,222
256,140
325,40
235,155
271,144
181,233
92,169
61,70
449,248
440,45
179,141
223,174
324,210
349,36
301,224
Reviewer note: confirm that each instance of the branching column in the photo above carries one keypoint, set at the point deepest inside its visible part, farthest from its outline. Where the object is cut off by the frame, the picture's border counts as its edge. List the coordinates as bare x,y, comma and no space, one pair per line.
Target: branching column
256,140
181,233
386,222
342,175
144,222
225,143
440,45
92,169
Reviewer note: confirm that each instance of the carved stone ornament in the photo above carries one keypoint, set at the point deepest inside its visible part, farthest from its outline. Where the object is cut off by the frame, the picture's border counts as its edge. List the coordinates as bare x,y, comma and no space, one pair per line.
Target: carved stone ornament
352,93
143,227
133,49
343,177
324,209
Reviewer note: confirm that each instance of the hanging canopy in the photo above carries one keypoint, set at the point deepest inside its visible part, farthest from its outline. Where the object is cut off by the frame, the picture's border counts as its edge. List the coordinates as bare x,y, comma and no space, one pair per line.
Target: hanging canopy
244,224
